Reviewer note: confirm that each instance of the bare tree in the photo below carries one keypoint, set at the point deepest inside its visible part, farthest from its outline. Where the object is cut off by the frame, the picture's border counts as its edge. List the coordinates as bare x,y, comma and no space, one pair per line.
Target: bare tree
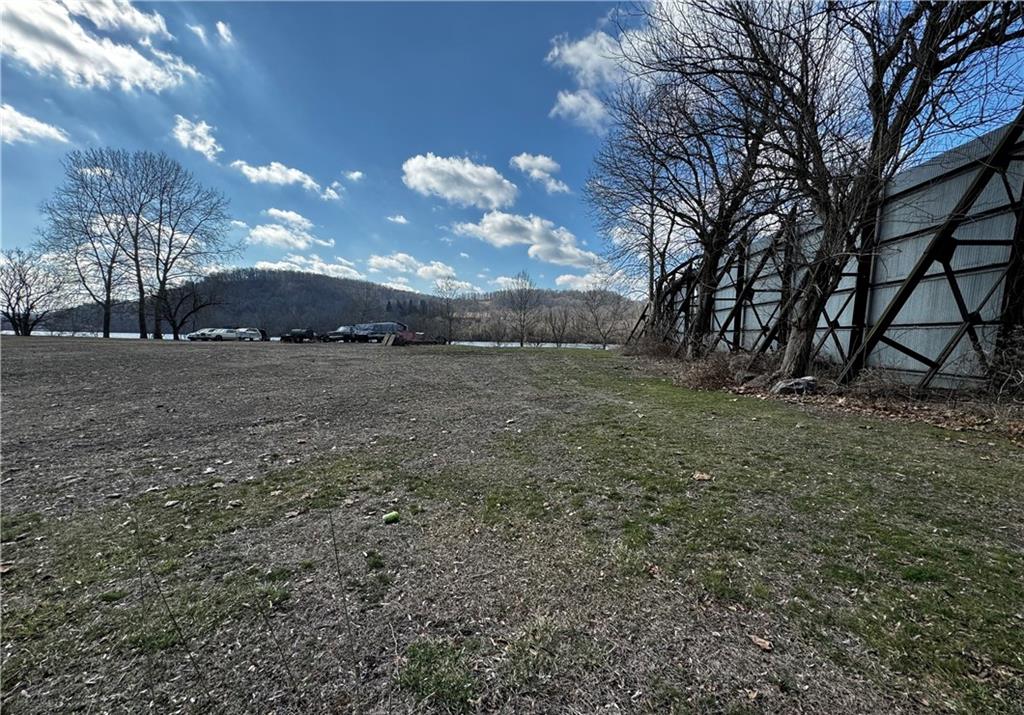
557,319
849,92
181,303
137,218
449,292
496,325
521,300
623,190
31,288
85,232
185,234
602,312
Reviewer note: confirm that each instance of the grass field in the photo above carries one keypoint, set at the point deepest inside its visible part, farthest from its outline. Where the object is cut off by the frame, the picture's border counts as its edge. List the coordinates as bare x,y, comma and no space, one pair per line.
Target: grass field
555,552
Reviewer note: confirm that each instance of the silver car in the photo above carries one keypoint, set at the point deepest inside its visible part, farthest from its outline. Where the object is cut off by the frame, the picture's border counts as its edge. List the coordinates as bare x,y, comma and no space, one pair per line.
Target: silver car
204,334
250,334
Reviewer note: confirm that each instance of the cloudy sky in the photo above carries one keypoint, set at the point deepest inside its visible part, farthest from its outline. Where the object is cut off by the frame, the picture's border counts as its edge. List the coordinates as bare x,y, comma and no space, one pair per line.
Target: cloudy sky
394,142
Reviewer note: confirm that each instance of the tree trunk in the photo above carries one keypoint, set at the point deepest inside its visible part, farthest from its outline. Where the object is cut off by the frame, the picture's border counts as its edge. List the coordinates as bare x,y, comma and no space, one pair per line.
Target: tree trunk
157,321
142,307
804,321
107,310
700,327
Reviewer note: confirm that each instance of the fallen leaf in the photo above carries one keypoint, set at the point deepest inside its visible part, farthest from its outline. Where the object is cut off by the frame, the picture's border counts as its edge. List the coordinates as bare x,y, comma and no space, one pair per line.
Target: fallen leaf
699,476
760,642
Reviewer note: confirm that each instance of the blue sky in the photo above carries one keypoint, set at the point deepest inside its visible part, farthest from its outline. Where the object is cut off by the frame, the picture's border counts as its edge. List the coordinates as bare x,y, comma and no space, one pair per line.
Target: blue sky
396,142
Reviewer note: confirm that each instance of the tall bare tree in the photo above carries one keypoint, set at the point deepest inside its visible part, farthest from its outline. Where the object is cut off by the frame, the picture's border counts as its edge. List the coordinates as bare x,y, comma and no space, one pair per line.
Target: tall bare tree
85,232
624,191
448,292
31,288
182,302
521,299
185,234
850,91
603,311
557,319
135,218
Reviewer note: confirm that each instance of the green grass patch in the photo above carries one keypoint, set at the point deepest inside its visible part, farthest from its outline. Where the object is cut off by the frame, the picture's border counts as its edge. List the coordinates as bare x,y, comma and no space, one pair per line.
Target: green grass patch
438,674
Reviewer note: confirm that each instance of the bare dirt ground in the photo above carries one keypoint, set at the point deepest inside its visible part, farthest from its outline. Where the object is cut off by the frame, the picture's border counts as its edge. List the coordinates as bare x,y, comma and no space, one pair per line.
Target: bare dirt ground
199,528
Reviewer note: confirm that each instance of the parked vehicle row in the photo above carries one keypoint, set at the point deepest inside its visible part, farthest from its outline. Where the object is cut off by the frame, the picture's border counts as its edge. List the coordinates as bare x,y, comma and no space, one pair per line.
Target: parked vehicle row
390,332
222,334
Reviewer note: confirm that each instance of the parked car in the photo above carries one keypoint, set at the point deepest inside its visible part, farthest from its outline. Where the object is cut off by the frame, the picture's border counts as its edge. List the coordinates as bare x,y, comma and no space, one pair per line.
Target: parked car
376,332
300,335
264,336
249,334
344,334
221,334
202,335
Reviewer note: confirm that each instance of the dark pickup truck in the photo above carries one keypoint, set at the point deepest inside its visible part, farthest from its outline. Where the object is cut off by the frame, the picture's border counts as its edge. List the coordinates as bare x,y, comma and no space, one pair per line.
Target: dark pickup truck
300,336
376,332
344,334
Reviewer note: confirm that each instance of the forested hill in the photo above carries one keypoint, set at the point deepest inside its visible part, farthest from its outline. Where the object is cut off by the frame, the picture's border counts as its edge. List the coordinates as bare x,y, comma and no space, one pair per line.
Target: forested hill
280,300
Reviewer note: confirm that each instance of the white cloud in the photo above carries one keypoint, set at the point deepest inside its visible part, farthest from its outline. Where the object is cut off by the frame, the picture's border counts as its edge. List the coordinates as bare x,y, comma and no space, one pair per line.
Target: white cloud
404,263
399,283
332,192
285,236
398,262
340,268
398,218
199,31
463,254
44,37
18,127
435,270
196,135
582,107
505,282
239,224
276,173
463,286
604,277
224,32
459,181
118,15
594,61
291,218
540,168
576,282
596,64
546,242
354,176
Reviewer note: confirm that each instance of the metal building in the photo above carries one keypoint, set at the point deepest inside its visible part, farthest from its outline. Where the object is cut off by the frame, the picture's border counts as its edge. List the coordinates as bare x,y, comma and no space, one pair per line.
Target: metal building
940,281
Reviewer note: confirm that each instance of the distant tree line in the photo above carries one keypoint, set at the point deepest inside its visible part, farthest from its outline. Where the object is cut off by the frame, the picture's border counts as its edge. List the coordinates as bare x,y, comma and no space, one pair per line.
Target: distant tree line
278,301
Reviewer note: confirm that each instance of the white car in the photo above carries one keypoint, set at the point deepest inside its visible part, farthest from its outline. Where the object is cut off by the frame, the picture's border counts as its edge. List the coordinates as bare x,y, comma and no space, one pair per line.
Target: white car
250,334
204,334
223,334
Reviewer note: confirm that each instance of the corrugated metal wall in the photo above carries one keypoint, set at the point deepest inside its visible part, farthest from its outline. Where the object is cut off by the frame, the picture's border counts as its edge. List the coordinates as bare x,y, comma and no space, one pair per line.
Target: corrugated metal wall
917,202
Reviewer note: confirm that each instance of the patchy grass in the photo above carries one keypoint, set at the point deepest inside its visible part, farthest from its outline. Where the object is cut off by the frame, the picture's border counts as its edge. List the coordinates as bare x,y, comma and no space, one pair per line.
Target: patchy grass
437,673
892,551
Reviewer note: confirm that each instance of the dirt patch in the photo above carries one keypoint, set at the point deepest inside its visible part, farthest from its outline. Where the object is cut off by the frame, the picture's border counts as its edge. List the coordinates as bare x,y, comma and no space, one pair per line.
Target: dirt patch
199,527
